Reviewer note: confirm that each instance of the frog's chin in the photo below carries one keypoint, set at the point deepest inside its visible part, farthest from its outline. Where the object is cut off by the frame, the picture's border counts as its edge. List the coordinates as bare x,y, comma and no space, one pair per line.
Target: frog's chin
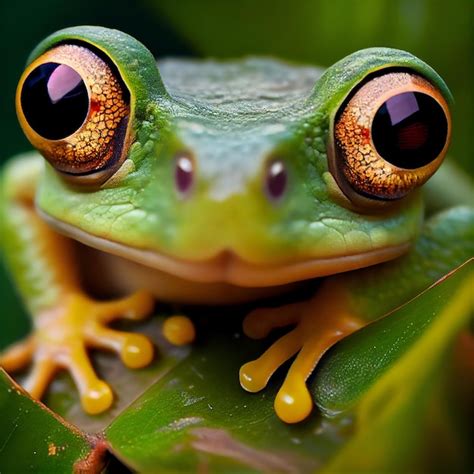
228,267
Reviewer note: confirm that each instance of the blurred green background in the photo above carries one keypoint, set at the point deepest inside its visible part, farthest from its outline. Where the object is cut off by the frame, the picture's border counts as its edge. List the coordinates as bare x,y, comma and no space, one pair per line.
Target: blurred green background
314,31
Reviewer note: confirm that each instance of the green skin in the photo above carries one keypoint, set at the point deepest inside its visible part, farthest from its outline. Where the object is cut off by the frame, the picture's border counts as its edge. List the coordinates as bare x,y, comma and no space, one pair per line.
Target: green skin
232,140
306,224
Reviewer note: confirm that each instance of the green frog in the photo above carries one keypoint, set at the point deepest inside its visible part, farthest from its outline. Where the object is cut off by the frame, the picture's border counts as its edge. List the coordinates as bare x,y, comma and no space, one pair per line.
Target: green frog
219,182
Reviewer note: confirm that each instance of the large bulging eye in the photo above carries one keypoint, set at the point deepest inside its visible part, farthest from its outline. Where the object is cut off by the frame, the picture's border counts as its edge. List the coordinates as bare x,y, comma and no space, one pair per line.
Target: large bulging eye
55,100
390,136
74,108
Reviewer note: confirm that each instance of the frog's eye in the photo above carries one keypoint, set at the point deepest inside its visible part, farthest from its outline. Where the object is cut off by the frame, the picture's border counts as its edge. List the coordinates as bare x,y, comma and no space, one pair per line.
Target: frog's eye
390,136
74,108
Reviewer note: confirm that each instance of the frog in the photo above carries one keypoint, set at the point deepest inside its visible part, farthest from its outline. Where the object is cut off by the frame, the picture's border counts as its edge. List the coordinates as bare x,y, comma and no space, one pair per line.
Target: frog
219,182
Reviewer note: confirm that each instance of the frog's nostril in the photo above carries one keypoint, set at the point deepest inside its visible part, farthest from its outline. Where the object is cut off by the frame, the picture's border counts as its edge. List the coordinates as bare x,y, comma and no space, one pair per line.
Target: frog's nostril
276,179
184,174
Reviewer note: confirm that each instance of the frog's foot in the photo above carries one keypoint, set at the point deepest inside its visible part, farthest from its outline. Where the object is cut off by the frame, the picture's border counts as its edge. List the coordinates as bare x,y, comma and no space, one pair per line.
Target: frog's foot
64,333
318,327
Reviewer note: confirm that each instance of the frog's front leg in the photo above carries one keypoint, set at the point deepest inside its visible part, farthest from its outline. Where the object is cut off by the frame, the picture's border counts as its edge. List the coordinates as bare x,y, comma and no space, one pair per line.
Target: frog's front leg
344,301
66,321
62,334
320,323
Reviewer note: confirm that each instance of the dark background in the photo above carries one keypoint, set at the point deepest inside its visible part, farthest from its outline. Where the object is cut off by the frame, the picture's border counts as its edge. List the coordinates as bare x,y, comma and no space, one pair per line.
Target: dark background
315,31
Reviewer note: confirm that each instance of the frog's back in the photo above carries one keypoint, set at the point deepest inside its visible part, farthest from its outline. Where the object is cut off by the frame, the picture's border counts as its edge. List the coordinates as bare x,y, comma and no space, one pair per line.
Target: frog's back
248,86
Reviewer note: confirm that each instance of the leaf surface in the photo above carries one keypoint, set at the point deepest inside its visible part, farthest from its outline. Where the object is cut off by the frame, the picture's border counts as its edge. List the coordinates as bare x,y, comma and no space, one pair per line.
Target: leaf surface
33,439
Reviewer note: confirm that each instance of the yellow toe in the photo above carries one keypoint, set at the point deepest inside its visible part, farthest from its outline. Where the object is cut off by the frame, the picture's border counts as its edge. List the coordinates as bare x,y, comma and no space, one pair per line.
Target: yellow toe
258,323
255,375
97,398
293,402
17,356
179,330
251,378
39,378
141,305
137,351
134,307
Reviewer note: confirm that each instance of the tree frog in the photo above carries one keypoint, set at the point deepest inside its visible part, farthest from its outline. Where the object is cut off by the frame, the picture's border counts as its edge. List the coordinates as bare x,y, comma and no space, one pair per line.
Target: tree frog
219,182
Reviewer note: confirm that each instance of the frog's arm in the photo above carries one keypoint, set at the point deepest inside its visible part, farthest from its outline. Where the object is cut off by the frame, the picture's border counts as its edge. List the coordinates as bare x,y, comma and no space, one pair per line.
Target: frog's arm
65,320
347,302
38,278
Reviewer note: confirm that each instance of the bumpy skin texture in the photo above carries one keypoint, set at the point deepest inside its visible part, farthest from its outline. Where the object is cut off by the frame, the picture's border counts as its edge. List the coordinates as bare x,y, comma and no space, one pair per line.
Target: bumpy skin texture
231,120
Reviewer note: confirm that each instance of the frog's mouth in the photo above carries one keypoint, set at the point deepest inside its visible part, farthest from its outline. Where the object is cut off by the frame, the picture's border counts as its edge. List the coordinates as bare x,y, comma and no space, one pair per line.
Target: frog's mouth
229,267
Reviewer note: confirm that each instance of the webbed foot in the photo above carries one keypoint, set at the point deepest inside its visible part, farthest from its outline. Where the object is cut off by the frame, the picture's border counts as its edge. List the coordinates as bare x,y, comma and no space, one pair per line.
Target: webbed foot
320,323
62,336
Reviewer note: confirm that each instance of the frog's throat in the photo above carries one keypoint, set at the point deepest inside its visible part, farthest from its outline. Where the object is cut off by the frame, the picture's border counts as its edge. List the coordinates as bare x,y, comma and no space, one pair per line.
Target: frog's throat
229,267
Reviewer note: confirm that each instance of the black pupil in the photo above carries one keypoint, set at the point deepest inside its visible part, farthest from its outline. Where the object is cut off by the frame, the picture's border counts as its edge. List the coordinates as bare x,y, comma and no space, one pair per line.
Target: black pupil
409,130
54,100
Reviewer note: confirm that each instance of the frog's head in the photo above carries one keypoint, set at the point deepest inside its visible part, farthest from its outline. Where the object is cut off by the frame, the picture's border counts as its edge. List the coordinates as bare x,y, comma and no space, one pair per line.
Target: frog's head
254,172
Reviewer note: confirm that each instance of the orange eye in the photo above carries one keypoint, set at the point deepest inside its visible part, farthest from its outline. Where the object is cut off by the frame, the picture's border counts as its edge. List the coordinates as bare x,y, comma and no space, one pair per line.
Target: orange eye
74,109
390,136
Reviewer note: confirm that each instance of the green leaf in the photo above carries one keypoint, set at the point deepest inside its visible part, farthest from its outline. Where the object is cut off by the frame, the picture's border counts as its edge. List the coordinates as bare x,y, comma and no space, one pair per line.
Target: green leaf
353,365
198,417
398,417
33,439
